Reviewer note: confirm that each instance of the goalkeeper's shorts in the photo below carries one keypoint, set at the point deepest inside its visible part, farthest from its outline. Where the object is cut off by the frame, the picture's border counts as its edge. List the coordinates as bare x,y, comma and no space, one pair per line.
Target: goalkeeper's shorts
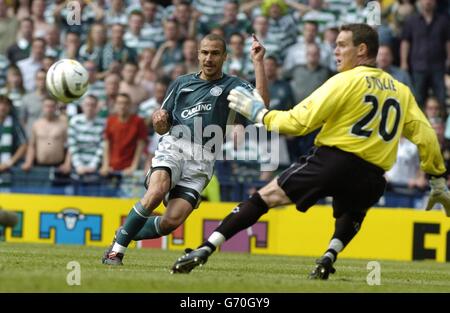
354,183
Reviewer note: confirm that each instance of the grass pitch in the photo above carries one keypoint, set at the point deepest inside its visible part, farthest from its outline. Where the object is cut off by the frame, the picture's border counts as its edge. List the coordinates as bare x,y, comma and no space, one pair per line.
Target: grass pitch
42,268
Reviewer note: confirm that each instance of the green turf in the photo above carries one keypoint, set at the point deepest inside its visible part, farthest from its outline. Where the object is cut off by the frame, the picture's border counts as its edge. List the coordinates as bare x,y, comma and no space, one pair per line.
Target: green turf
40,268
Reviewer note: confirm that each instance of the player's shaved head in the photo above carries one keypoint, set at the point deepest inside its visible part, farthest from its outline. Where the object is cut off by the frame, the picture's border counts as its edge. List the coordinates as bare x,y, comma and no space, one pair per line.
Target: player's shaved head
214,37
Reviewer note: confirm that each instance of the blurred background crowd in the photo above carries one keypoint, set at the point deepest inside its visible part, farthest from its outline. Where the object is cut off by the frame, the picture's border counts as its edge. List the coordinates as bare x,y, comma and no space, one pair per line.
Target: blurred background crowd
133,49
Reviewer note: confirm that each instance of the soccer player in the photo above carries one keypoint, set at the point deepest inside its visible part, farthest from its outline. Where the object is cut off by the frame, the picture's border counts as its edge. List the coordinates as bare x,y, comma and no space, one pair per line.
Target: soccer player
363,112
183,162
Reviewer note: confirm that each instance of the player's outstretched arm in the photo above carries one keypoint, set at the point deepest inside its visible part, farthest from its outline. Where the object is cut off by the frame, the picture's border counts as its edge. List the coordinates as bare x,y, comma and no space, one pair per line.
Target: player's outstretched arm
251,105
161,121
439,194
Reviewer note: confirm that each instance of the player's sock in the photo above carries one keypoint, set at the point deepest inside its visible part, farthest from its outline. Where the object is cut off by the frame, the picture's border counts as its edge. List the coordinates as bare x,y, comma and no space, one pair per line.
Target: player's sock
133,224
215,240
334,248
150,230
346,227
243,216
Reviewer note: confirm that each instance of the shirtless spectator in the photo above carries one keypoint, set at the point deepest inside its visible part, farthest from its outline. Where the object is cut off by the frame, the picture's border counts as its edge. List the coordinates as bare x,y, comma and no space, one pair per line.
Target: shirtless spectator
129,86
48,139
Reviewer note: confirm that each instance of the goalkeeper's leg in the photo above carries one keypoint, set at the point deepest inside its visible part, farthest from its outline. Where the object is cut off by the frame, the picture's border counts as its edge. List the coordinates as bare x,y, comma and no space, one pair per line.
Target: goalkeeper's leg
243,216
346,227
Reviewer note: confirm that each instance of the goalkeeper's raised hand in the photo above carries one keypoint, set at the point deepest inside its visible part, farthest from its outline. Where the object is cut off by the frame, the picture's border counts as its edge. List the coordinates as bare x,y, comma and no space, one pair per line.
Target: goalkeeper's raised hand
439,194
249,104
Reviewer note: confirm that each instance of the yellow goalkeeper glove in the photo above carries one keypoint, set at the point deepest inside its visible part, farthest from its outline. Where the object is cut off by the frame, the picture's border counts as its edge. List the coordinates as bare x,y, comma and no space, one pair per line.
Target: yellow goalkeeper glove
250,105
439,194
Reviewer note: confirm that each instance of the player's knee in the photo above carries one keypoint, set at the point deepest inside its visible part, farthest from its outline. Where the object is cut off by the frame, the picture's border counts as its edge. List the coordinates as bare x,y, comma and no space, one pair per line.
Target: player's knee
152,197
169,224
273,195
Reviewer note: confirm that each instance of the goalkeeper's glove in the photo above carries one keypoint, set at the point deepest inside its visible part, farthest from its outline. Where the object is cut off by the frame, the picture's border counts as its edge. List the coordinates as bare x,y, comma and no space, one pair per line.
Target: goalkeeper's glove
439,194
250,105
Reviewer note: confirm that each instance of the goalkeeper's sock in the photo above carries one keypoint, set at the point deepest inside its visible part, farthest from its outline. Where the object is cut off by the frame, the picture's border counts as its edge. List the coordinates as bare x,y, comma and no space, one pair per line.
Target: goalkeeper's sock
150,230
345,229
243,216
133,224
334,248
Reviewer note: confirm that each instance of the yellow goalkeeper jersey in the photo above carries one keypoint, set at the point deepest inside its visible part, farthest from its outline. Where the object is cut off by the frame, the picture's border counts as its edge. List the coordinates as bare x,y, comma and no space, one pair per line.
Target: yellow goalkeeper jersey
364,111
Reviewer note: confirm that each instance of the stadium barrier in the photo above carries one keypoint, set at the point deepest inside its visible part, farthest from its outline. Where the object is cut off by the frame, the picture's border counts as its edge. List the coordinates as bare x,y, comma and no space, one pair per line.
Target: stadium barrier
390,234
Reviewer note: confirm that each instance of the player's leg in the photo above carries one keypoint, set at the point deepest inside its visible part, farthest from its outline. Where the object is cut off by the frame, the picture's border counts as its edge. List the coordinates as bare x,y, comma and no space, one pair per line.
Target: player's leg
241,217
345,229
359,191
182,200
159,185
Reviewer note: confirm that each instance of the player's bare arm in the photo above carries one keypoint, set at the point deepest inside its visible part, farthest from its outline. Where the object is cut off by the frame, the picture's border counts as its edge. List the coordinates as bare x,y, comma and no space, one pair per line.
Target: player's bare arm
257,53
160,120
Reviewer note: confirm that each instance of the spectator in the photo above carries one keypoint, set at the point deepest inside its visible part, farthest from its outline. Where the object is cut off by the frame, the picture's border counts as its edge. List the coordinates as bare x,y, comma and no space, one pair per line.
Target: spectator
96,86
282,24
146,110
32,104
230,22
4,65
125,137
129,86
116,14
309,76
152,22
178,70
384,61
425,51
93,48
406,171
211,10
187,22
261,28
32,64
281,98
21,48
398,12
85,138
13,142
48,140
54,48
327,49
433,108
112,83
14,88
236,58
296,54
20,9
319,14
134,38
8,27
146,76
115,51
170,52
72,45
190,55
47,62
41,27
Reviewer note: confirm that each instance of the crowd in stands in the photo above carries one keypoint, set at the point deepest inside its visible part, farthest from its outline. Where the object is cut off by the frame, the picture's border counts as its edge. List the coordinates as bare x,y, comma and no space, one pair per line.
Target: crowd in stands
133,49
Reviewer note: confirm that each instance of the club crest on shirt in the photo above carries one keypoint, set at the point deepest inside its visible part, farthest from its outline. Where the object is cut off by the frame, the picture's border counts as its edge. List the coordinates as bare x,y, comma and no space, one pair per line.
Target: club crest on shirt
216,91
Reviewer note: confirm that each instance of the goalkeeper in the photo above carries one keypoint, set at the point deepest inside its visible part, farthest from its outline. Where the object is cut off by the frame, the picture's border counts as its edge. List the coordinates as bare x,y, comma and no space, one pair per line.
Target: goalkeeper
363,112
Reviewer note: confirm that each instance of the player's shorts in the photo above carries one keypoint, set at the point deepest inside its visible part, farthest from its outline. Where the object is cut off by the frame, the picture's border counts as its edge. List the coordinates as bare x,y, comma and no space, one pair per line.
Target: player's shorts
354,183
189,166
